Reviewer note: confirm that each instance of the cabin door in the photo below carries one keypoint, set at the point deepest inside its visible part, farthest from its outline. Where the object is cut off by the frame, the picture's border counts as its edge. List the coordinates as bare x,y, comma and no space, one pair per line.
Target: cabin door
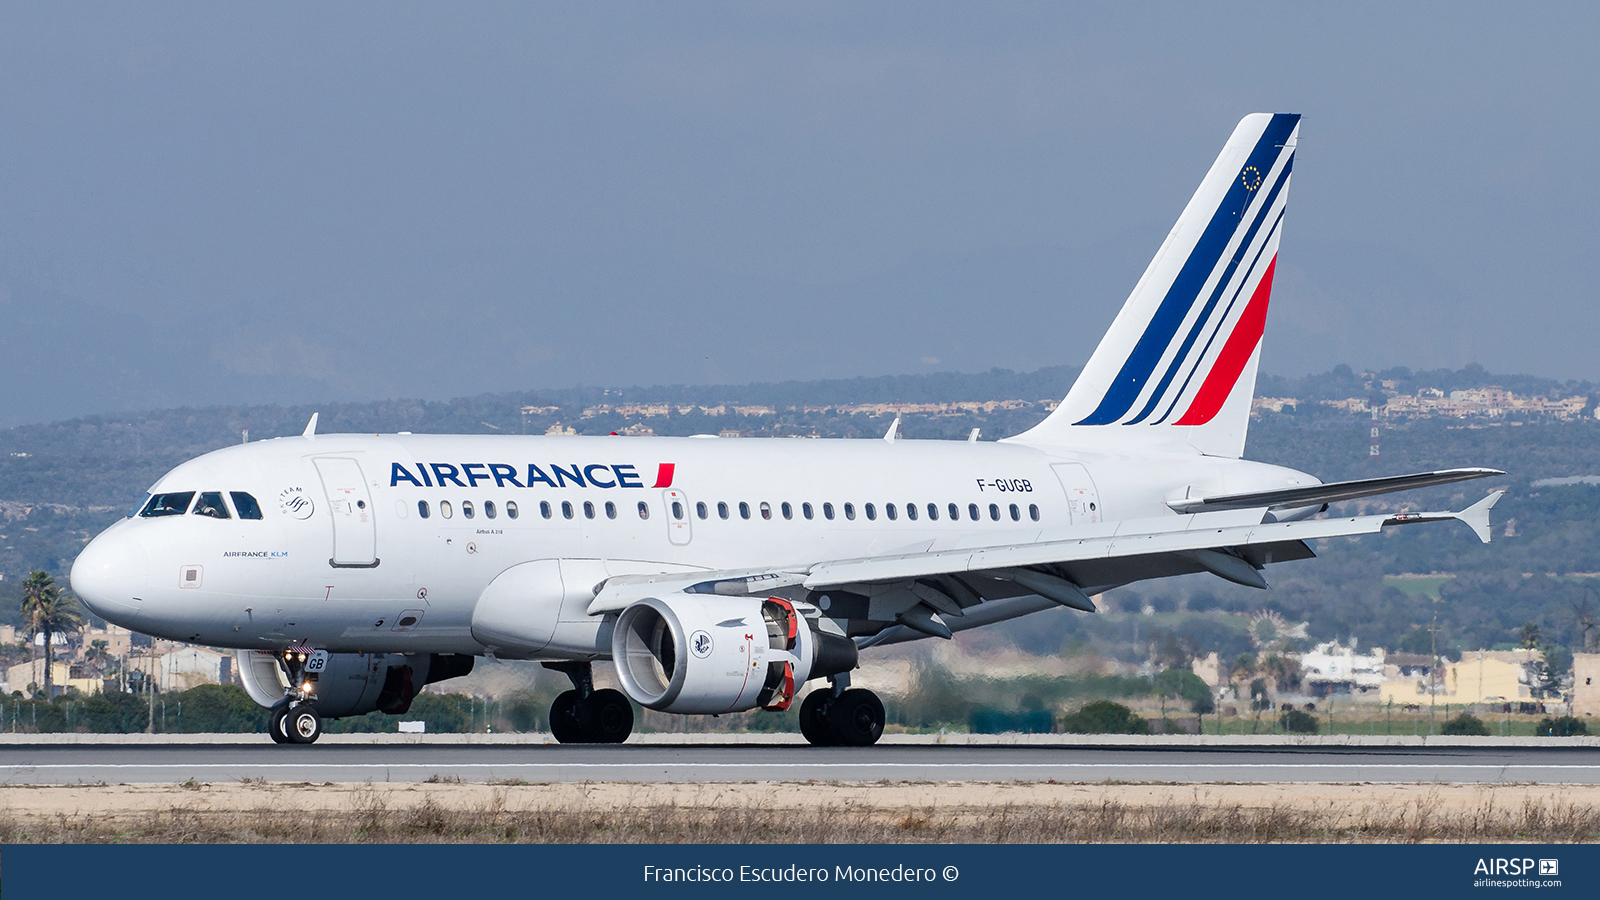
355,534
1083,501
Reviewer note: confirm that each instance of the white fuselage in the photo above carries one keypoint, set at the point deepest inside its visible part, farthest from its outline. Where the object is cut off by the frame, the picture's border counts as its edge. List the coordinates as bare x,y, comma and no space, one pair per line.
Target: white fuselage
353,566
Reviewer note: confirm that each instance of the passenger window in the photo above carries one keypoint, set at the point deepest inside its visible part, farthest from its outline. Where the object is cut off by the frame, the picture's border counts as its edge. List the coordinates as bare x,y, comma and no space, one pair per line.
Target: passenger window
422,509
588,509
827,511
1033,511
933,512
744,510
511,509
722,509
544,508
972,512
488,509
911,511
994,512
872,512
611,510
466,509
1016,514
955,513
211,504
175,504
805,510
892,513
850,511
700,510
788,511
677,511
566,509
766,510
644,510
445,511
245,505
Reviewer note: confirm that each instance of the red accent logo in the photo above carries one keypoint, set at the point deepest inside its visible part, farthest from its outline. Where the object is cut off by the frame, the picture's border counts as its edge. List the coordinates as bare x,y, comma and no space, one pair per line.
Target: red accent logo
664,475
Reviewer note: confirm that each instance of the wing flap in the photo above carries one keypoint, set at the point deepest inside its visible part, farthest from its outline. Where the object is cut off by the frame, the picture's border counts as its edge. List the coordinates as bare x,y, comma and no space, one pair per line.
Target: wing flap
1337,491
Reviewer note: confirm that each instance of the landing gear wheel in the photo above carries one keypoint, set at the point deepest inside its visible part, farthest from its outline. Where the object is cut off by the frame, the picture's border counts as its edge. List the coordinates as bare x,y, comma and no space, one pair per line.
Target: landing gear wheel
302,725
814,718
857,718
605,717
564,725
275,717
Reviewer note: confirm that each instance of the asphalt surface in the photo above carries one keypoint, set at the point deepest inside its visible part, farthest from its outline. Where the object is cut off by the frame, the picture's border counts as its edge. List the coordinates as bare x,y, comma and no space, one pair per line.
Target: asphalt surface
174,763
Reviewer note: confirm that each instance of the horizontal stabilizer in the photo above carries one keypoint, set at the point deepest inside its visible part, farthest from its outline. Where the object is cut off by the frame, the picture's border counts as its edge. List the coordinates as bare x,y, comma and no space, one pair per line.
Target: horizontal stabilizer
1314,494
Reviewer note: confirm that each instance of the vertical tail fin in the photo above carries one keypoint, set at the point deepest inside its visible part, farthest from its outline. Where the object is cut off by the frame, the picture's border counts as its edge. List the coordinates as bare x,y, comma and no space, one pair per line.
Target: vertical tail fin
1179,363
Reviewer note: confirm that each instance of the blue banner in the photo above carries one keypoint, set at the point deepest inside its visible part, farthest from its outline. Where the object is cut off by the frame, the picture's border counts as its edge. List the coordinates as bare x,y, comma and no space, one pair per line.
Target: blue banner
276,871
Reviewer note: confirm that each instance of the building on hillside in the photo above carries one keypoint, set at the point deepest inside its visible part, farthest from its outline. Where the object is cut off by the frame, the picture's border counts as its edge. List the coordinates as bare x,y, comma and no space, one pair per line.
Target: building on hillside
190,667
1210,670
1481,676
19,676
1332,668
1586,684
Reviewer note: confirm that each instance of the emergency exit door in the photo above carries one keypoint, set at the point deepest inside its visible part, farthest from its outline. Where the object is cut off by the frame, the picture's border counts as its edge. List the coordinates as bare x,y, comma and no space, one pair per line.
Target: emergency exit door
1083,500
678,528
355,534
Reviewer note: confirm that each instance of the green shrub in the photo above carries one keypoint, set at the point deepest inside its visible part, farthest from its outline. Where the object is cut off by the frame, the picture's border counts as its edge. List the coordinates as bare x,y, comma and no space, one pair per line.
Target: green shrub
1466,723
1563,726
1104,717
1299,722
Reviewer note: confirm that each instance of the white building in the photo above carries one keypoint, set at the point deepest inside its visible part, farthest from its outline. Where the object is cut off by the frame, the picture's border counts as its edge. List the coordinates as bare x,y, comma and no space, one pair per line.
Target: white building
1331,668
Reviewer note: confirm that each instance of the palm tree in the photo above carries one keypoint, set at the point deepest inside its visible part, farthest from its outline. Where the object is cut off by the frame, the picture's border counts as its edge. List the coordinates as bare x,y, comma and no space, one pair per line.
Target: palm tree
49,611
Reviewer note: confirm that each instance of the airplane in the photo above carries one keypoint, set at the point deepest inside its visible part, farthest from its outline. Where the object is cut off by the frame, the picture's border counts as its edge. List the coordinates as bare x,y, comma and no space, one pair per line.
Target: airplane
720,576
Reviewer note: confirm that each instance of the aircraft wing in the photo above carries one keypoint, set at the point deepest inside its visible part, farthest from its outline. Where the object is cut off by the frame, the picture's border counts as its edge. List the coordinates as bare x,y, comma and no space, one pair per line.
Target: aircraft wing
1233,544
1314,494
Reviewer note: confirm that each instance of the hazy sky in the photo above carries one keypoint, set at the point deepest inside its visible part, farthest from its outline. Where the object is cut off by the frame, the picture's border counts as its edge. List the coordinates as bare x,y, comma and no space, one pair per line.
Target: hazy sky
277,202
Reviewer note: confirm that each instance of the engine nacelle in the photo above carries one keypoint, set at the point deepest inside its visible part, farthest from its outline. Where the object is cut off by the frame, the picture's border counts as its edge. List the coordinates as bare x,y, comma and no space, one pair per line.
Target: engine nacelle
705,653
351,684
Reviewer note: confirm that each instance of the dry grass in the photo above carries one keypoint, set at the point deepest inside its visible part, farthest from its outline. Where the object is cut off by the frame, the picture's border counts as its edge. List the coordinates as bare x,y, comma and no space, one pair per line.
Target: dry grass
511,814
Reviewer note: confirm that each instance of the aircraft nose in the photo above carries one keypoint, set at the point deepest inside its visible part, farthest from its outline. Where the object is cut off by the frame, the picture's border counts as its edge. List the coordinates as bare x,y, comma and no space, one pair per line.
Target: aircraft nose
110,576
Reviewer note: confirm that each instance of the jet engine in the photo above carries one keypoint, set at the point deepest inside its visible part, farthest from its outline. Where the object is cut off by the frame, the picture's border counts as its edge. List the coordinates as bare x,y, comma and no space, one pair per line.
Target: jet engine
703,653
350,684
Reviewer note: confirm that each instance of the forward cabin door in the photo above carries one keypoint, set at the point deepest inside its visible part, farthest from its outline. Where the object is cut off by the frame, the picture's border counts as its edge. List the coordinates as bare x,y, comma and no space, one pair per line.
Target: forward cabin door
1083,501
677,516
355,534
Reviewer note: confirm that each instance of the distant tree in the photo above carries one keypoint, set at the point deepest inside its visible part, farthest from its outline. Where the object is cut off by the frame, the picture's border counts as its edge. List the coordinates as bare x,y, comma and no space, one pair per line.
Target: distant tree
1553,669
1563,726
97,655
1285,671
1189,687
1298,722
49,612
1466,723
1258,695
1528,635
1104,717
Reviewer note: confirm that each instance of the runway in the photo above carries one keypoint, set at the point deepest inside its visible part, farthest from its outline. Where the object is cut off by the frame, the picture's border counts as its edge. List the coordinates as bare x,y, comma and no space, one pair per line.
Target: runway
213,763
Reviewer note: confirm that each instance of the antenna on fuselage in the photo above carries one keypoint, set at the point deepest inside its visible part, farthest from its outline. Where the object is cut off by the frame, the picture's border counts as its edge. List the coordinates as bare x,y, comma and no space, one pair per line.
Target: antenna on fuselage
311,428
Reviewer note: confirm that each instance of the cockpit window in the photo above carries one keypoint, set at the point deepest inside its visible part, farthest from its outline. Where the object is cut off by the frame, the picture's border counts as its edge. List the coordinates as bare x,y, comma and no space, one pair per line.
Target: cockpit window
211,504
246,505
138,506
175,504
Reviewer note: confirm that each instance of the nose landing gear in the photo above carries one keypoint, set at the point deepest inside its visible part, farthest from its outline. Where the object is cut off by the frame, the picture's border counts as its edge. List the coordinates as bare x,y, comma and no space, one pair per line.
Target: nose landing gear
836,717
584,715
293,720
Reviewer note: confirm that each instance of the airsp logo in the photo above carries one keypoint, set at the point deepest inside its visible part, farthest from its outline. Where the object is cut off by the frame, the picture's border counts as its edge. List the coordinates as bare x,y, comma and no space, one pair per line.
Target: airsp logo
700,644
295,502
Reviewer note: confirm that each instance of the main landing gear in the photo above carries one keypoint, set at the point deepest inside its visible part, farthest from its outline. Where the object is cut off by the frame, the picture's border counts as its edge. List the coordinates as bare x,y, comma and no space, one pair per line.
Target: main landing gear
837,716
584,715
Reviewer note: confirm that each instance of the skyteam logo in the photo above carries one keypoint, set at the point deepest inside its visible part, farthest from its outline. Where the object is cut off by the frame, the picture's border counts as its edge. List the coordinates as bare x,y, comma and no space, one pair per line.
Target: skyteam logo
1213,284
296,503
